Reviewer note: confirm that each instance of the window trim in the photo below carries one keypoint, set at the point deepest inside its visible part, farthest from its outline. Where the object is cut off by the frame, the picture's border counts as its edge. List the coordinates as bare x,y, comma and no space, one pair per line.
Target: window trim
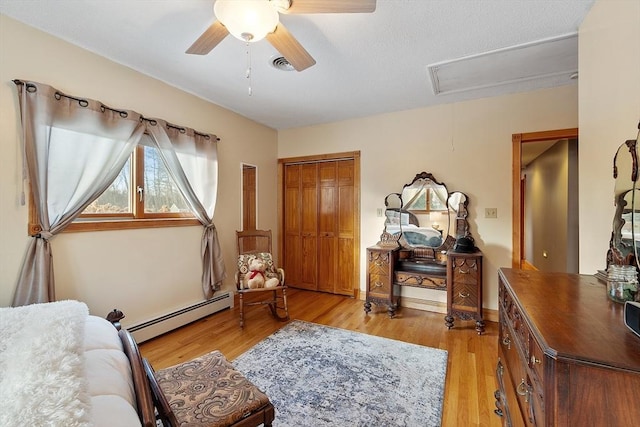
137,219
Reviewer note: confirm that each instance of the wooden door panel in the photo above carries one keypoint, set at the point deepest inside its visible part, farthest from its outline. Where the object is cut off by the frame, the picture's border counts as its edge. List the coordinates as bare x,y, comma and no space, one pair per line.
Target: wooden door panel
345,266
327,221
346,212
327,264
292,260
346,175
292,209
248,198
308,263
327,173
292,245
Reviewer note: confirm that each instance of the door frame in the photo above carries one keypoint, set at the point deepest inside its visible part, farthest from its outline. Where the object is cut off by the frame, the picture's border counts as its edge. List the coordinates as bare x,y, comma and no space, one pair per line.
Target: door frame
517,139
355,155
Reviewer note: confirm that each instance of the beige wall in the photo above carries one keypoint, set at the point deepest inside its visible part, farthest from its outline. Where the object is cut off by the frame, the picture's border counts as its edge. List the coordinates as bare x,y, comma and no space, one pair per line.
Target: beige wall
609,55
142,272
466,145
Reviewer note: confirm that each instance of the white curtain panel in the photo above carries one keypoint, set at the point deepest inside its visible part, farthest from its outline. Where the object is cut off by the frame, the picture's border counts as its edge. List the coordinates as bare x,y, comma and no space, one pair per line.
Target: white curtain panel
192,161
74,148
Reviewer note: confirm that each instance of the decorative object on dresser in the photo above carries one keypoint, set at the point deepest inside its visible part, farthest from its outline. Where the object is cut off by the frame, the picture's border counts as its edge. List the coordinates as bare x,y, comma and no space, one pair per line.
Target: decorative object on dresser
422,225
464,287
564,356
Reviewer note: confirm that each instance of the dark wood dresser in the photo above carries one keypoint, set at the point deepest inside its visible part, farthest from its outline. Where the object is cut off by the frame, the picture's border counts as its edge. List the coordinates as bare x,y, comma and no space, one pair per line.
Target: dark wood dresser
565,357
464,288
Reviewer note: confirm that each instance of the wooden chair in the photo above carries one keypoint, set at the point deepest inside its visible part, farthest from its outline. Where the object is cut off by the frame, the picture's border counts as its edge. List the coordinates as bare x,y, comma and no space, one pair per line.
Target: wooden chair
257,244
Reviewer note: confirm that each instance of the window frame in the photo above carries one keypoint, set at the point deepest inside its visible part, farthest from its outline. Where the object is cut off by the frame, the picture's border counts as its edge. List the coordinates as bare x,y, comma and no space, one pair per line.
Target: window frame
137,219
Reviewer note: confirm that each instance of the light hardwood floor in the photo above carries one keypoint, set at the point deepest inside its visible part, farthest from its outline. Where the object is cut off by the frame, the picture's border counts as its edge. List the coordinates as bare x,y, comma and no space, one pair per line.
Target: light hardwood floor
471,363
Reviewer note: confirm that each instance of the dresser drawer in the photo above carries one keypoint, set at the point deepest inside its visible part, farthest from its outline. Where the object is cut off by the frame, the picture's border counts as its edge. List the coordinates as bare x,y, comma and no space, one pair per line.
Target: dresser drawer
464,295
527,396
379,284
420,280
379,263
465,270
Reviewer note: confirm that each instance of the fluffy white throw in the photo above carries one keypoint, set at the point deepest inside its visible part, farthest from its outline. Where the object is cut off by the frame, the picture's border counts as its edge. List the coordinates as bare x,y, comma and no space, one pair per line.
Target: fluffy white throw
42,381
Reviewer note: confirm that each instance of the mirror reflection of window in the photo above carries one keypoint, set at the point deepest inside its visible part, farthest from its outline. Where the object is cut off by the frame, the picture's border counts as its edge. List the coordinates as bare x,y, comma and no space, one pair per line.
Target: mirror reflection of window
425,197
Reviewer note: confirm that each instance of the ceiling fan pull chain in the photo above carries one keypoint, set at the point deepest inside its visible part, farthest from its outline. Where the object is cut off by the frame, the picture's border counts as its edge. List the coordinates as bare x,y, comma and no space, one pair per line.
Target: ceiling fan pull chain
248,74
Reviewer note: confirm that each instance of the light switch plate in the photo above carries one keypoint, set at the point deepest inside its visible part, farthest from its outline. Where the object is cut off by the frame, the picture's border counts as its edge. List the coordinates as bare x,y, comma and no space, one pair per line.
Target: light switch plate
491,212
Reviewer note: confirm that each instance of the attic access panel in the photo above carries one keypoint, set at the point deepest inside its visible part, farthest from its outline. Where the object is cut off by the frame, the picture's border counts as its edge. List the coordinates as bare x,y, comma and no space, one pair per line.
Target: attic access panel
544,59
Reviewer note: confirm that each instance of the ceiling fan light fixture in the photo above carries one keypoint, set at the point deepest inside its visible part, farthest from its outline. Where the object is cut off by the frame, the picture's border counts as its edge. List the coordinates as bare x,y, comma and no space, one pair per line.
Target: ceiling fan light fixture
247,20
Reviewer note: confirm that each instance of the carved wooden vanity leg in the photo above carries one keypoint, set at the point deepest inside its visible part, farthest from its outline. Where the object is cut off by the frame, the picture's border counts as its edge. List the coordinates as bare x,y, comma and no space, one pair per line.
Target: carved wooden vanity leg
391,310
480,326
367,307
448,320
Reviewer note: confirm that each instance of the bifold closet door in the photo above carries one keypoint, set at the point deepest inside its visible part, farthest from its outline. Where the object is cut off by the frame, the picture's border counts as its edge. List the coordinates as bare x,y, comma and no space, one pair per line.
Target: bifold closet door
300,225
319,220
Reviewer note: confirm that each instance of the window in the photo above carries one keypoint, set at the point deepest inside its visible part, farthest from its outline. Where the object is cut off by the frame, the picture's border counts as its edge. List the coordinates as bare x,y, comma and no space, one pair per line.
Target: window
425,199
142,195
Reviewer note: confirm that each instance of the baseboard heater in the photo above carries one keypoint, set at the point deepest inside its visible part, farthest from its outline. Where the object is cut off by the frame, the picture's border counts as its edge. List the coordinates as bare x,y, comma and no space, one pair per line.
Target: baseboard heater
170,321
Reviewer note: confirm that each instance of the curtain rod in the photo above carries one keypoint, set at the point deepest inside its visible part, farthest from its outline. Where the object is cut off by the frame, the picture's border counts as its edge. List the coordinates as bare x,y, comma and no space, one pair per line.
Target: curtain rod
84,103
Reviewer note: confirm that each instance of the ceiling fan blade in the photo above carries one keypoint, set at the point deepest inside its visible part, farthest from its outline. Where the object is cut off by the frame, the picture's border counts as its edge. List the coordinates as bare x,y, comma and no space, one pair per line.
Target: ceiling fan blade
290,48
209,39
331,6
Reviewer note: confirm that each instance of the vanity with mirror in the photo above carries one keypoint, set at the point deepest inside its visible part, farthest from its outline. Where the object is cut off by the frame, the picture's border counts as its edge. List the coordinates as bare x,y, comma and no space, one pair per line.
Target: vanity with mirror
426,243
622,256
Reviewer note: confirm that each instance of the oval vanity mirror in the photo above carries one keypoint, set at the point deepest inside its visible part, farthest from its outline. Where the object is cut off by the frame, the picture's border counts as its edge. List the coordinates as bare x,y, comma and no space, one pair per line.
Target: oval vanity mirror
625,237
393,212
427,218
457,204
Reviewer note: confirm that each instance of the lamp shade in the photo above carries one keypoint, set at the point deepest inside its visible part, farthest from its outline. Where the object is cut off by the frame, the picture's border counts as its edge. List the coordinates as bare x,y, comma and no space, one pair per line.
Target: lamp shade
247,20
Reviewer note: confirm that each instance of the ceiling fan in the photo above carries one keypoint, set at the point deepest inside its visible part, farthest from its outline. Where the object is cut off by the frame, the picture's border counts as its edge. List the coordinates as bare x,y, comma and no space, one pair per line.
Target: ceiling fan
253,20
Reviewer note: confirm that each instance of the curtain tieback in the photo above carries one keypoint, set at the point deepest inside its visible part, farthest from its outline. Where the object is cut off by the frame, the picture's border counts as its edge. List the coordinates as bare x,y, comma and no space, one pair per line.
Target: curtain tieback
211,227
43,235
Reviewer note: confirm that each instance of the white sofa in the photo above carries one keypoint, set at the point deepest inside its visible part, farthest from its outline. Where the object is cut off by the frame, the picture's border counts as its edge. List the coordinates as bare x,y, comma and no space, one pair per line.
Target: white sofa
60,366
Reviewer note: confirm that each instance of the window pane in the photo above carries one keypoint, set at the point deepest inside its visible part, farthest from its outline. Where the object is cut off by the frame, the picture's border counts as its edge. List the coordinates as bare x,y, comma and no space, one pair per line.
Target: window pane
161,193
117,198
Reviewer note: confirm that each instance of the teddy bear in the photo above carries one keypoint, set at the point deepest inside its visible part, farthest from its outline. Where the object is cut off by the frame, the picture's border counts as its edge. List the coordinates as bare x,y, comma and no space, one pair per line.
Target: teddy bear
271,282
255,278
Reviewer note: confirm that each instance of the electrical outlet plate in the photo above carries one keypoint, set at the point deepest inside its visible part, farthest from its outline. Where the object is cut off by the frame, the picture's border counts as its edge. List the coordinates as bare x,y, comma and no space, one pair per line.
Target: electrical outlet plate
491,212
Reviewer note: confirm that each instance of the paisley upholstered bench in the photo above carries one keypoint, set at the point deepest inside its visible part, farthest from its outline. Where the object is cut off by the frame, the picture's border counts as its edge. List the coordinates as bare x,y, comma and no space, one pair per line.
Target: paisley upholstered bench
208,391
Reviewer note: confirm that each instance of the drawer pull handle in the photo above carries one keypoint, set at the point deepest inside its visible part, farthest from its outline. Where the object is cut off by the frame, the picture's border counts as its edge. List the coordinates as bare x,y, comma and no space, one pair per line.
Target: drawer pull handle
461,271
523,390
535,361
377,285
463,295
507,342
378,263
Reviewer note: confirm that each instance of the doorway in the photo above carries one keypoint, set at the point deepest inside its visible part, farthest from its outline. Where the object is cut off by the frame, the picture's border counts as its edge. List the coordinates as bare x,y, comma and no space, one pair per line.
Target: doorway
248,200
522,142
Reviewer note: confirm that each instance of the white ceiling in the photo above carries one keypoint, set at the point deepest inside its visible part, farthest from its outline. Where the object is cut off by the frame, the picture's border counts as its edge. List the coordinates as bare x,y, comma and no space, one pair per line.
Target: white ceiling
366,63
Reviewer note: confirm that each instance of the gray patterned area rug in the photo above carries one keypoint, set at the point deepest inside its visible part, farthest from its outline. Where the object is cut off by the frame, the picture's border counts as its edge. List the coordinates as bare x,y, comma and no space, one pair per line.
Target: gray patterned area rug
323,376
